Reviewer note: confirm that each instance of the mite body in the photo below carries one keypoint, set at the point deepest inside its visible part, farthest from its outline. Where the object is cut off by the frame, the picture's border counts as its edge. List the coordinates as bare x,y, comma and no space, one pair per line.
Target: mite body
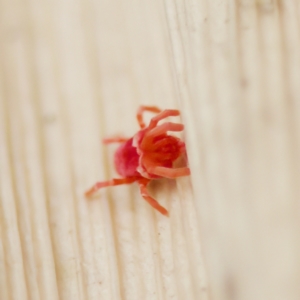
148,155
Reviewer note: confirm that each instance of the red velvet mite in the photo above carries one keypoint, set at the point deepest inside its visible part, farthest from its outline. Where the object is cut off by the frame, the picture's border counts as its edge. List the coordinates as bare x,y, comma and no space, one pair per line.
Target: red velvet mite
148,155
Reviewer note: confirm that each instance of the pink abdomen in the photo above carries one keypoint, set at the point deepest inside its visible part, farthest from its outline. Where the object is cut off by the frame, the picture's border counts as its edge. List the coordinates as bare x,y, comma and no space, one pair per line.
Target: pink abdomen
127,160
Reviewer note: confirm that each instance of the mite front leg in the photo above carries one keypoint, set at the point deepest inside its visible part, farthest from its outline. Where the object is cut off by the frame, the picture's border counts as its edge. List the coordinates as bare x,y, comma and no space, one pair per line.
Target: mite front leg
159,130
112,182
140,112
149,199
163,128
162,115
168,172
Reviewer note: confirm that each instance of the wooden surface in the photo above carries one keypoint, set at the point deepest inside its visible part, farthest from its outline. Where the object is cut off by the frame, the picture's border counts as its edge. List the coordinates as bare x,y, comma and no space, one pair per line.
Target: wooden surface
72,72
238,69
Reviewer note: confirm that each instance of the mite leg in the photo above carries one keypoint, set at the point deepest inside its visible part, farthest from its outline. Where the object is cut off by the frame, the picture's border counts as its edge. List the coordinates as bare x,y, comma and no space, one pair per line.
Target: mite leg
117,139
163,128
168,172
149,199
162,115
159,130
140,112
112,182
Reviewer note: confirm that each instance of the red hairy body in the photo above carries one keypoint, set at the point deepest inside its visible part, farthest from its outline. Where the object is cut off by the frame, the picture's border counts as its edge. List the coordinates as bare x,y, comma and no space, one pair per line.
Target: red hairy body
148,155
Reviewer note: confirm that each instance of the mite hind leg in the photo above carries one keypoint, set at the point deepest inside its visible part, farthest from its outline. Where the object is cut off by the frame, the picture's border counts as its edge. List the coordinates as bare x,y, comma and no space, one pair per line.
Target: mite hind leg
112,182
116,139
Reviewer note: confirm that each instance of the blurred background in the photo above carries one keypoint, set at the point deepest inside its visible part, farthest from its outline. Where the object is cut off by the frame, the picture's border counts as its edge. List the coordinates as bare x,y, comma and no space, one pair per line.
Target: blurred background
75,71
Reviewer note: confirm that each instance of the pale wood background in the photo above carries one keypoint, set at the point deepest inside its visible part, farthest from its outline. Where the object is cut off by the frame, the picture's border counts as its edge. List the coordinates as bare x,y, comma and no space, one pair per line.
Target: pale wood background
74,71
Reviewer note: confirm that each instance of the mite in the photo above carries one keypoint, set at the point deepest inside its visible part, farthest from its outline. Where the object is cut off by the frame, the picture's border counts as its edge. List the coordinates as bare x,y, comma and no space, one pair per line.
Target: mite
148,155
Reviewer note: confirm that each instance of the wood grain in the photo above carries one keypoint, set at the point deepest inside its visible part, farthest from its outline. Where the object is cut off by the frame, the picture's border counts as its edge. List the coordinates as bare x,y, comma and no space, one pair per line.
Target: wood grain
73,72
238,72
